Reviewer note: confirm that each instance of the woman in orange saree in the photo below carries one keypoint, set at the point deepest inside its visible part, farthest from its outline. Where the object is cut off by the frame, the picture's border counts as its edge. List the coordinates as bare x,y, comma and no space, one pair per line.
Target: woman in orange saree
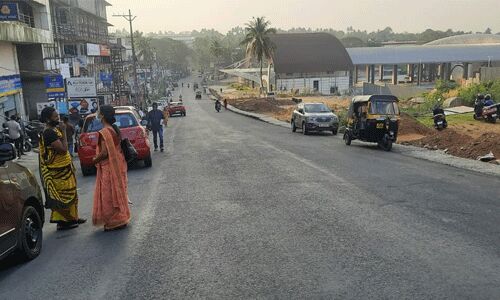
110,196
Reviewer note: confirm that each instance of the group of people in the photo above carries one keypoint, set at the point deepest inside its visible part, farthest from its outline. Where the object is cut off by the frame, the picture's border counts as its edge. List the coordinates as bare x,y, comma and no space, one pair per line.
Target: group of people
111,204
16,132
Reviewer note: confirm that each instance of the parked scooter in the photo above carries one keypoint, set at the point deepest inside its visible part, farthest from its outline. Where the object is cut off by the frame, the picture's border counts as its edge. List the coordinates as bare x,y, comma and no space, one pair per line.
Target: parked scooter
440,122
482,111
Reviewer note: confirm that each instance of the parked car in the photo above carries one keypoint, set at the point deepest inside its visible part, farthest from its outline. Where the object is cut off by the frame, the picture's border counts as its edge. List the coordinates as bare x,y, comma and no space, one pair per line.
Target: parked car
21,208
176,108
130,127
314,117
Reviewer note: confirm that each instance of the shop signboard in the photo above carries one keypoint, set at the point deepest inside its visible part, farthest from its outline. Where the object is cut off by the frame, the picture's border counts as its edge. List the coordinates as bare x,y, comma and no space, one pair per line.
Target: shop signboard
10,85
93,49
55,86
81,87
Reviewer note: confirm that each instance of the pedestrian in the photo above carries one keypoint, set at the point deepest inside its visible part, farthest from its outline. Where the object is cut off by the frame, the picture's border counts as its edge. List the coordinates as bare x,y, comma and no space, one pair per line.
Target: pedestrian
225,103
15,134
58,173
166,115
155,117
78,131
110,195
70,133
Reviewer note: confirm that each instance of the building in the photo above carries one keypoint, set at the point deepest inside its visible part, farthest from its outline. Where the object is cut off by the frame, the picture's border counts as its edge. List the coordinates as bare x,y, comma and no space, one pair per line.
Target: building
24,28
304,63
311,62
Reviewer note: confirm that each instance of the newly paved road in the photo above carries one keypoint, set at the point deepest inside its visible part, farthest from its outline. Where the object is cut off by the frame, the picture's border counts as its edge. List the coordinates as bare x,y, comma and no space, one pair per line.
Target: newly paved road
237,208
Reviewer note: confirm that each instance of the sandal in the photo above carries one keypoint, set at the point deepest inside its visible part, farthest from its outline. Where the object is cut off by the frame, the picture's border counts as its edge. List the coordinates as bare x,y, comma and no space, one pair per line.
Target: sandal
116,228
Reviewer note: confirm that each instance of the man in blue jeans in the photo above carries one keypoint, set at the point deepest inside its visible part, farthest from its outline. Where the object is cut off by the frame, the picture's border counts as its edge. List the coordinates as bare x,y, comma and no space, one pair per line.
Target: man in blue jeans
155,118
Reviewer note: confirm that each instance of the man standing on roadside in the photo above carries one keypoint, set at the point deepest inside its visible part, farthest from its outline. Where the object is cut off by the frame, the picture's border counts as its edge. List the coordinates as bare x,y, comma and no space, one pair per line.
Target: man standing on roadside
155,117
70,133
15,133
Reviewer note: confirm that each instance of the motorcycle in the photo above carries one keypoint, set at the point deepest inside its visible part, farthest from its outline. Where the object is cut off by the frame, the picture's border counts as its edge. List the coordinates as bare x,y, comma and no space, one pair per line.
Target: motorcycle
218,106
440,122
487,113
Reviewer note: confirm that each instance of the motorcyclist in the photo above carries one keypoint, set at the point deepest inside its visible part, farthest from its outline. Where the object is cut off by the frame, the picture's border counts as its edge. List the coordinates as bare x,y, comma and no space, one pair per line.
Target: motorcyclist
217,105
438,110
488,101
479,104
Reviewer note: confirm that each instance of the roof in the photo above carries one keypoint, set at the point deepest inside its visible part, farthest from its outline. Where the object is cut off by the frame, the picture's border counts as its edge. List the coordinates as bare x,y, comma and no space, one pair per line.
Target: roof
424,54
366,98
309,53
468,39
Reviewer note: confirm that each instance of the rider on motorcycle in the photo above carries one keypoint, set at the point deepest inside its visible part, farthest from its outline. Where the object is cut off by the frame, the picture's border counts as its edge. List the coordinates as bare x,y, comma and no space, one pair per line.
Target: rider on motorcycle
479,104
217,105
488,101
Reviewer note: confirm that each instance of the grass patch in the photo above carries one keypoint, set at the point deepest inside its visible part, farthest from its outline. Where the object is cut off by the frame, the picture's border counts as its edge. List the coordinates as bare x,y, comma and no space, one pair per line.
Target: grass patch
452,119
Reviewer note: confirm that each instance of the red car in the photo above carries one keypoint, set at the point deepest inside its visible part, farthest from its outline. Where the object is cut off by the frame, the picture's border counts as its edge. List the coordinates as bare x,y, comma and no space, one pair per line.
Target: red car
176,108
130,128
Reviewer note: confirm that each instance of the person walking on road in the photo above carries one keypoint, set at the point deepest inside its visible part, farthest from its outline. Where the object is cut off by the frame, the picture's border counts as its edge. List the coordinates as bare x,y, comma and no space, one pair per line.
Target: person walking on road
70,133
58,173
225,103
155,117
15,133
110,195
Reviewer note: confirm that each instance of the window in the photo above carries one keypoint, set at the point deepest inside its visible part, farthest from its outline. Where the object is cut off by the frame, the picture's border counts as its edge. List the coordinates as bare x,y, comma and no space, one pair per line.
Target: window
316,108
70,50
124,120
384,108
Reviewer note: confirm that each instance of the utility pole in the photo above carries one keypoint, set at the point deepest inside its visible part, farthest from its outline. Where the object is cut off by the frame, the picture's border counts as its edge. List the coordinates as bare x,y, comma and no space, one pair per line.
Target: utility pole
130,19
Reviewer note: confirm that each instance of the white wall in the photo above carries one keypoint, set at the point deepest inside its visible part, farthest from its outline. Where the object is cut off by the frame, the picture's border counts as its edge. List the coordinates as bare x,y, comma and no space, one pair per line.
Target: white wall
8,59
325,83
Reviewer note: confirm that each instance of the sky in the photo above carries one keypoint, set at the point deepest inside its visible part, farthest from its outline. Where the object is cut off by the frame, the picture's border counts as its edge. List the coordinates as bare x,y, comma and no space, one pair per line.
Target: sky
222,15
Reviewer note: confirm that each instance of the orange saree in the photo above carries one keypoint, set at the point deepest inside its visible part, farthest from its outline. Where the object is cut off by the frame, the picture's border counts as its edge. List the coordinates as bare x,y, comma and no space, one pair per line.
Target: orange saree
110,196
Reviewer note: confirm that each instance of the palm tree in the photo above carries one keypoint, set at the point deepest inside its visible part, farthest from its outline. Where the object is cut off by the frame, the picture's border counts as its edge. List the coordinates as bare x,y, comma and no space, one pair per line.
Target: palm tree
258,42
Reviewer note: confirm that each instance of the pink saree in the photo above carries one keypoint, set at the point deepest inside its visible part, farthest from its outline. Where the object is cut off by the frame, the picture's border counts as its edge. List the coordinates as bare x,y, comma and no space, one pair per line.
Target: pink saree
110,196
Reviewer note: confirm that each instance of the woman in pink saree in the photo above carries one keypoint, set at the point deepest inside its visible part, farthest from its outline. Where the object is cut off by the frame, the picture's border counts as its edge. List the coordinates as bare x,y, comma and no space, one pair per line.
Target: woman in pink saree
110,197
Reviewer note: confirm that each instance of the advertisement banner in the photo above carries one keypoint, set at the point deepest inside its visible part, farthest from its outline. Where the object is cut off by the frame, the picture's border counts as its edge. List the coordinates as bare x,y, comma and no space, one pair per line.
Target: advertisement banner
93,50
83,106
9,11
65,71
55,86
81,87
105,51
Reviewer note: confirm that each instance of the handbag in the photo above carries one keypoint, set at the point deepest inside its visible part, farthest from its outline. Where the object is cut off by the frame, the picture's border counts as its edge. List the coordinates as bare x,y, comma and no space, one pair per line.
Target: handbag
129,151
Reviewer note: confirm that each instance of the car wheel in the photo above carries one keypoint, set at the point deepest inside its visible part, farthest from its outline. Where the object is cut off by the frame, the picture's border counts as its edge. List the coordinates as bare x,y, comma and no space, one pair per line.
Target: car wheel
30,234
294,128
148,162
304,129
347,138
335,131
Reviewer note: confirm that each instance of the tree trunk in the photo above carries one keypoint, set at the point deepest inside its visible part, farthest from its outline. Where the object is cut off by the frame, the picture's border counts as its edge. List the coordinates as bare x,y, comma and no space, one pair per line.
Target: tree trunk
261,81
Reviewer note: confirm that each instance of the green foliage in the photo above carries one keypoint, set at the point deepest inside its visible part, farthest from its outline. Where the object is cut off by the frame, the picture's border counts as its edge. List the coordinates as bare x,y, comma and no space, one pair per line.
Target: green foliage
428,121
470,92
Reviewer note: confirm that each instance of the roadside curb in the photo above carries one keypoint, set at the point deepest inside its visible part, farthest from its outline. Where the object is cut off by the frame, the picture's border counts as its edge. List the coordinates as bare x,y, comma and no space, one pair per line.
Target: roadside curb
410,151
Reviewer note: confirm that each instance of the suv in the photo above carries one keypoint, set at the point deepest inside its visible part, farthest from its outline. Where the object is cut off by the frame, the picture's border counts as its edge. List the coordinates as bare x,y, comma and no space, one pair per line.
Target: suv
130,128
21,208
314,117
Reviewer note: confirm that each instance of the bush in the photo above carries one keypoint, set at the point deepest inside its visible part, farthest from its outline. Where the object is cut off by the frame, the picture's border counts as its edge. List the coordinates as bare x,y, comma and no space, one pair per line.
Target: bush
469,93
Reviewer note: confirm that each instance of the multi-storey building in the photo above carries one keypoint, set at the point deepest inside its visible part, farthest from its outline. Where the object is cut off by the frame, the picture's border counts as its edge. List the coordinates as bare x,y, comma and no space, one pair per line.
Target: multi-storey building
24,27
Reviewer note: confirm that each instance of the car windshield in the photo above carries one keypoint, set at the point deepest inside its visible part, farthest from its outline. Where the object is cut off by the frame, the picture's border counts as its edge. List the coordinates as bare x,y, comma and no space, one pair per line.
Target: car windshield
380,107
316,108
124,120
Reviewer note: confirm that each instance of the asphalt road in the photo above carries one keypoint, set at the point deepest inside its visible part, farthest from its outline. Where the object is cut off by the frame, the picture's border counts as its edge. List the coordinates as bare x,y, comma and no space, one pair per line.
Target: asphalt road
236,208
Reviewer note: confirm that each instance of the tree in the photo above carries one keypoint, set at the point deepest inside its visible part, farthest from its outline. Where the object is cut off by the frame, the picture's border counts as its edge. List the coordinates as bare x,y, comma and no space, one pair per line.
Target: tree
258,42
145,50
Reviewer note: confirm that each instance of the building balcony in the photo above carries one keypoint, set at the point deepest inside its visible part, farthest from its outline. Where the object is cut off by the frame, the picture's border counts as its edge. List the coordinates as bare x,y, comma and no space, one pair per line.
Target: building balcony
22,34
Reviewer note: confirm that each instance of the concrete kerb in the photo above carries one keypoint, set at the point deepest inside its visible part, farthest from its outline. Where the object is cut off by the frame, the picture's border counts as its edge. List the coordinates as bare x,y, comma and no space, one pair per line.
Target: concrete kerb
410,151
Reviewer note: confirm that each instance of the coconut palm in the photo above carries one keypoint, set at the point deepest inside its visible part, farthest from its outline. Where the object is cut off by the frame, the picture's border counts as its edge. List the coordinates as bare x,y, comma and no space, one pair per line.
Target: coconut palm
258,42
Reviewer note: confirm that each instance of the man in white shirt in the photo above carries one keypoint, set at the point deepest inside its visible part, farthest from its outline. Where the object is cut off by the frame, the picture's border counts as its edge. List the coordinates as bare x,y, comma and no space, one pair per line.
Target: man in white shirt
15,133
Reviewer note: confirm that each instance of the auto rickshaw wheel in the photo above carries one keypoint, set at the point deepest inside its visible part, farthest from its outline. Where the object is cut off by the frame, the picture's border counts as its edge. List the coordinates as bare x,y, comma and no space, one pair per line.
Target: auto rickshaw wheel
347,138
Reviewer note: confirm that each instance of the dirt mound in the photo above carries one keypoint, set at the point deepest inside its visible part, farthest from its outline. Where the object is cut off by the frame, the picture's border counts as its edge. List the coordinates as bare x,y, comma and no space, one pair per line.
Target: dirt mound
461,145
410,126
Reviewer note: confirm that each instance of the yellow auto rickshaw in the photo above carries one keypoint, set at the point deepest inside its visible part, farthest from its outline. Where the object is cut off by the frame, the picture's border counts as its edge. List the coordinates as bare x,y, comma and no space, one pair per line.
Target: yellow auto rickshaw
373,119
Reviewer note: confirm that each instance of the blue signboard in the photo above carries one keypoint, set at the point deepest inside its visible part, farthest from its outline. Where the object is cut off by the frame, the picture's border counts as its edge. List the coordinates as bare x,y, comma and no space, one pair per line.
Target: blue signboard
55,86
10,85
62,108
8,11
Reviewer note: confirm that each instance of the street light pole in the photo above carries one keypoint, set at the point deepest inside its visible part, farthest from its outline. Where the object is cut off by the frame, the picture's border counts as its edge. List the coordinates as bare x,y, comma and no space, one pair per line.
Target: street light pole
130,19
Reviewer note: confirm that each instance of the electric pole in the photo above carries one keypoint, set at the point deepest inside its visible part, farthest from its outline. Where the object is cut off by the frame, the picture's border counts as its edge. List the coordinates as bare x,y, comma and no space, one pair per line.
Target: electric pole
130,19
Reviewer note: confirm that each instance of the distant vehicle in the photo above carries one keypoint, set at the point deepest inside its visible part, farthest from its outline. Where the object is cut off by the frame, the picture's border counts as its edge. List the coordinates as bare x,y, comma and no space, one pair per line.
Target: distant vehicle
175,84
130,127
21,208
271,95
487,113
314,117
440,121
195,86
176,108
198,95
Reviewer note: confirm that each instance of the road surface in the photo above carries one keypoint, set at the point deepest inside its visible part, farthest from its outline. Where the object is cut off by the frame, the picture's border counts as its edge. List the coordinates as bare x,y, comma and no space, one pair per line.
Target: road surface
237,208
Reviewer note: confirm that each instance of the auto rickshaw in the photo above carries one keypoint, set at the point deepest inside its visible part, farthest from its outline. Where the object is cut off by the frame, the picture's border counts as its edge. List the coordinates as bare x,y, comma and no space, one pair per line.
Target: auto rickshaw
373,119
